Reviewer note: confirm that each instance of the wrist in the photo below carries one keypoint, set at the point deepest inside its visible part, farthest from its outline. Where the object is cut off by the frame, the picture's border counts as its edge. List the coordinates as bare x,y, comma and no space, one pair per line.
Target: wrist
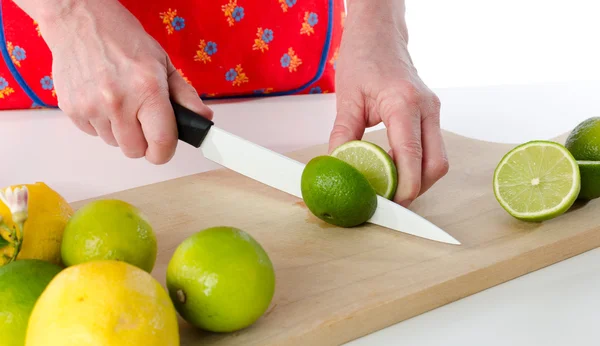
388,13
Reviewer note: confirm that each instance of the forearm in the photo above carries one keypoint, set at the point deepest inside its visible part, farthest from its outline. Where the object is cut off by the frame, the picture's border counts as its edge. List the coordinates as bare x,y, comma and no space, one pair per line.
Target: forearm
391,13
59,17
44,11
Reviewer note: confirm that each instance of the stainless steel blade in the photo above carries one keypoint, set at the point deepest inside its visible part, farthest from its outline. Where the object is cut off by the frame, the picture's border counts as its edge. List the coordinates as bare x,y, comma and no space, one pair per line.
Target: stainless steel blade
283,173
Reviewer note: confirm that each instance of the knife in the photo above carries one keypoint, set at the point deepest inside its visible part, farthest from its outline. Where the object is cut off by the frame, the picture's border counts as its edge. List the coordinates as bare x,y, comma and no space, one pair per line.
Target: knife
283,173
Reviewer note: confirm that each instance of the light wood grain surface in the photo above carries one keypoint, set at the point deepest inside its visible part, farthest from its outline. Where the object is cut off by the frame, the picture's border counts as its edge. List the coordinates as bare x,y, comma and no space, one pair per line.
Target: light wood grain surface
335,285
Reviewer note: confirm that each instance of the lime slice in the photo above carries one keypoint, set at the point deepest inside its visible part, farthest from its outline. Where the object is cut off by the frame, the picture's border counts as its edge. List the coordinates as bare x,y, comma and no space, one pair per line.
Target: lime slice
590,179
373,162
537,181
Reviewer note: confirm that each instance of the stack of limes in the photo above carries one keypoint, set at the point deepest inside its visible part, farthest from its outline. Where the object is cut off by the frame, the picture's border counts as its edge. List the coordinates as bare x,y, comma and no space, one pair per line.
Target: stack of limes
540,180
584,143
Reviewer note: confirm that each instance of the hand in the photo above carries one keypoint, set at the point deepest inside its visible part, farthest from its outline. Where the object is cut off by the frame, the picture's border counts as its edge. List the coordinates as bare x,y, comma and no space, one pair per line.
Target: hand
376,81
115,81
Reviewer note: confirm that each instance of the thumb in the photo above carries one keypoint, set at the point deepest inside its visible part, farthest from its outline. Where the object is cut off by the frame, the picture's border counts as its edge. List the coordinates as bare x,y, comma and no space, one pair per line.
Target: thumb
349,125
185,94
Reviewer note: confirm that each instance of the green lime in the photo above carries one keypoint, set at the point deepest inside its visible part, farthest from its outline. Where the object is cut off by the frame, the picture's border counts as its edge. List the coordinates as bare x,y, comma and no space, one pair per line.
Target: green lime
21,284
373,162
584,141
590,179
220,279
109,230
337,193
537,181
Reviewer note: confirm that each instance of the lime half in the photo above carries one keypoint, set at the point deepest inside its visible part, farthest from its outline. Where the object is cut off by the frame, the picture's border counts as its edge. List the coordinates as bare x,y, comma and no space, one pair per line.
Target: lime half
537,181
373,162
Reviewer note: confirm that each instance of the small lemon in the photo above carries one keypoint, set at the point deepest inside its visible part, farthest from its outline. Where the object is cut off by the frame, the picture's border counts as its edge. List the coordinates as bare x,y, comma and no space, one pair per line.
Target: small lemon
48,213
105,302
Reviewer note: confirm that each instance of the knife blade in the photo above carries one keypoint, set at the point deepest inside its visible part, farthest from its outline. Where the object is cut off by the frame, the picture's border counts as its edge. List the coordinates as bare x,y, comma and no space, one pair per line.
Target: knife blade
283,173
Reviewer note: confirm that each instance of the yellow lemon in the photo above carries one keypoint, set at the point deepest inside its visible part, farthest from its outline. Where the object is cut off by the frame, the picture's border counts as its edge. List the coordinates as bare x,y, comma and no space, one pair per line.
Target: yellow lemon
48,213
105,302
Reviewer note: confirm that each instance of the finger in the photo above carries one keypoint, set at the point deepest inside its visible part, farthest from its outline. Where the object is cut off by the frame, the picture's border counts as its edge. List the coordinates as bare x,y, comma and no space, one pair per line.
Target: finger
129,135
85,126
158,124
103,128
435,158
349,124
403,125
184,94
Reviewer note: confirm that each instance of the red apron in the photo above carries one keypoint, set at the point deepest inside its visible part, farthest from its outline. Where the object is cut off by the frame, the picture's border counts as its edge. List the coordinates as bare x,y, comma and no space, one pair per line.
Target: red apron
223,48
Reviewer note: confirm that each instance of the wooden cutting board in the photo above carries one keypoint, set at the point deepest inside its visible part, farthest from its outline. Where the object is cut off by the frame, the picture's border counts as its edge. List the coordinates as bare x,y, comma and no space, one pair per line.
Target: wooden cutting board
335,285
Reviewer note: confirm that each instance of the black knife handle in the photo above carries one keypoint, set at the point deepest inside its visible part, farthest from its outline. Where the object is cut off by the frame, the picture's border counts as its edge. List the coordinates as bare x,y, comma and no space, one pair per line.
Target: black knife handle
192,127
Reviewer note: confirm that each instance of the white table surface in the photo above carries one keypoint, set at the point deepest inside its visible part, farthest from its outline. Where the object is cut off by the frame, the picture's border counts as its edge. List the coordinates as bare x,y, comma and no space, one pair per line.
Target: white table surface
559,305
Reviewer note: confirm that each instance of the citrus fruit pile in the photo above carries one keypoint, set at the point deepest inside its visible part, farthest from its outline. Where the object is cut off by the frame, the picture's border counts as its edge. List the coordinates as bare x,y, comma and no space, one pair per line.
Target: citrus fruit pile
540,180
342,188
85,277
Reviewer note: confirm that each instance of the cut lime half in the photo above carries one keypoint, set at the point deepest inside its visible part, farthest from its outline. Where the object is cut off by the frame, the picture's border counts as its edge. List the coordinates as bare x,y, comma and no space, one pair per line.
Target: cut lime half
373,162
537,181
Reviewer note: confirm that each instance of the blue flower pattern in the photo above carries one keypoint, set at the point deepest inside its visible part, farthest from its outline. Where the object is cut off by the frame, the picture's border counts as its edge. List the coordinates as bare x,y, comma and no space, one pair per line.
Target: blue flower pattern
3,83
267,35
47,83
19,53
230,75
290,3
178,23
313,19
285,60
211,48
316,90
238,13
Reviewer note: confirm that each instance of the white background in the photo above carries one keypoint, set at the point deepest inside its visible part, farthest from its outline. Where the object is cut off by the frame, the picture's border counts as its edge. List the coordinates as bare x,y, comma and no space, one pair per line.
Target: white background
491,42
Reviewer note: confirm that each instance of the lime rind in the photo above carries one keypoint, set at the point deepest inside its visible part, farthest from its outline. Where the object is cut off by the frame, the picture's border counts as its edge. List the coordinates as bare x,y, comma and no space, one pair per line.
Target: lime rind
557,209
590,179
388,169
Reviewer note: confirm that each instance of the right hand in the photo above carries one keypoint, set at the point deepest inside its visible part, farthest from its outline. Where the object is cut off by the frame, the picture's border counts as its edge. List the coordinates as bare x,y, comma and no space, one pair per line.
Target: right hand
115,81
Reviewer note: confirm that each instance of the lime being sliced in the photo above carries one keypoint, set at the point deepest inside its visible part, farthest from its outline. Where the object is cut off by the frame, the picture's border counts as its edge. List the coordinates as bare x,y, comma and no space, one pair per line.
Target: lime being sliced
537,181
373,162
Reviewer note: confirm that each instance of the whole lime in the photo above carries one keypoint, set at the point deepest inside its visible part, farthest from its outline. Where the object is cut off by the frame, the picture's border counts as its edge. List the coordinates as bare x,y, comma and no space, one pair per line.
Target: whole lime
21,284
584,140
109,229
590,179
584,144
220,279
337,193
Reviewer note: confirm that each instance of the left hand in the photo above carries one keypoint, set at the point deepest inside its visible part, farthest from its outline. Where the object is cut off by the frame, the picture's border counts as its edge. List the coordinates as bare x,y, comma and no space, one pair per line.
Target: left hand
376,81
